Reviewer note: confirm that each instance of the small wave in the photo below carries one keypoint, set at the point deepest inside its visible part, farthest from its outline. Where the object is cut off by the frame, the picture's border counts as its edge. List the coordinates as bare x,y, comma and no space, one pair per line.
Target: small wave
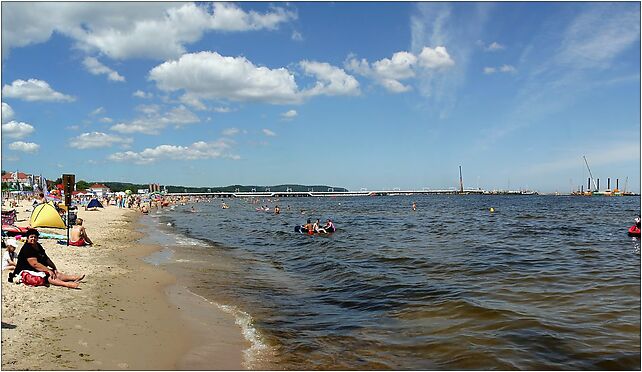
259,350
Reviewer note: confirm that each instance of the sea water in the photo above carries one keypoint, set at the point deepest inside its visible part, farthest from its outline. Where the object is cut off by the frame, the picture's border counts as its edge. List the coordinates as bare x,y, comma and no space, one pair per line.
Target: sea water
543,282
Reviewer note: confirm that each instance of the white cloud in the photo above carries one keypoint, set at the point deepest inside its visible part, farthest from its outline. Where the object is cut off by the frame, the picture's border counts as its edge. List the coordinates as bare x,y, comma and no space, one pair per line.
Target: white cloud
389,72
290,114
493,47
29,147
222,109
34,90
331,80
193,102
96,68
14,129
269,133
7,112
436,58
573,51
619,29
195,151
106,120
153,121
229,17
97,111
96,140
141,94
229,132
209,75
126,30
457,28
503,68
297,36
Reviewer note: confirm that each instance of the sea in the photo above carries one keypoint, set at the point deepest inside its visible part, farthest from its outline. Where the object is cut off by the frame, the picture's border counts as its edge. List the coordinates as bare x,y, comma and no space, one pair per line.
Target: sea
542,282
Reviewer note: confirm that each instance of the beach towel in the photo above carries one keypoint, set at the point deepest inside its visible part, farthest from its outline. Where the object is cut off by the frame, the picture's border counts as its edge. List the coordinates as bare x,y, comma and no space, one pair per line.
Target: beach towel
33,278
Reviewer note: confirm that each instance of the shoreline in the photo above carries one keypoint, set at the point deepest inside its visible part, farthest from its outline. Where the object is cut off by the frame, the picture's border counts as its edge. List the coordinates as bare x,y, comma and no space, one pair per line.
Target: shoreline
129,314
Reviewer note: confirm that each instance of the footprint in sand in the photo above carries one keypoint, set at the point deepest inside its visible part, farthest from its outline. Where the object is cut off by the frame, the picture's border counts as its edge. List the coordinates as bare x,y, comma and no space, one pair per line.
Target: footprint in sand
123,365
83,343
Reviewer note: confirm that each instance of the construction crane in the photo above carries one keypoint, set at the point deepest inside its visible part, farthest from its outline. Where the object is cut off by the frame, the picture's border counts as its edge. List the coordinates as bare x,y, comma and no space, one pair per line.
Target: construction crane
590,174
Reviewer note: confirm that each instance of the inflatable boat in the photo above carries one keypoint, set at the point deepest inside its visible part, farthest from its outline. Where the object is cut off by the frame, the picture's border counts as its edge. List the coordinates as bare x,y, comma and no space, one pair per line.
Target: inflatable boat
303,230
633,231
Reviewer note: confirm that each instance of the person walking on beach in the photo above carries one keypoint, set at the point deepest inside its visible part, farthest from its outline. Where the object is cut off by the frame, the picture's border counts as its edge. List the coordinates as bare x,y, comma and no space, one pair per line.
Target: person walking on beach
79,236
33,257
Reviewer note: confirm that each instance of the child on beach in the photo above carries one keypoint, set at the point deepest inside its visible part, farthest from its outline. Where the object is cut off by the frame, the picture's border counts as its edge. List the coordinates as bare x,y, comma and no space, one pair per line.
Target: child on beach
9,256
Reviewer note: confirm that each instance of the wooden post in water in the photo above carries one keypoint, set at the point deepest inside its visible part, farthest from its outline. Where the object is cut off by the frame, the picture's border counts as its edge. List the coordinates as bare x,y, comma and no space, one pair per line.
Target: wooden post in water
461,182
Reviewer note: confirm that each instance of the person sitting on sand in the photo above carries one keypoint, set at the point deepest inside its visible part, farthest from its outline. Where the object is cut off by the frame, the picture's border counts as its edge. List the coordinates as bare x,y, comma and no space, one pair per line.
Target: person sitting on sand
79,236
9,256
33,257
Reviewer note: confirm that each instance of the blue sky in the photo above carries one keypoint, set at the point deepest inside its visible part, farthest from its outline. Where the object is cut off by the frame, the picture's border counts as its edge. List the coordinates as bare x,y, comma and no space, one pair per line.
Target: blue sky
358,95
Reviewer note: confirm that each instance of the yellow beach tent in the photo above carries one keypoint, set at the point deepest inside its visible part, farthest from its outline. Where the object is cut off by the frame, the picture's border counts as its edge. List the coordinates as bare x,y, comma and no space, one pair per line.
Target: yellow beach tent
46,215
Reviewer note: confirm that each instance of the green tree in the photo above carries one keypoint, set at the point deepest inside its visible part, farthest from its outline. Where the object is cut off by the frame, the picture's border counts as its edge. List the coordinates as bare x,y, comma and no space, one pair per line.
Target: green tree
82,185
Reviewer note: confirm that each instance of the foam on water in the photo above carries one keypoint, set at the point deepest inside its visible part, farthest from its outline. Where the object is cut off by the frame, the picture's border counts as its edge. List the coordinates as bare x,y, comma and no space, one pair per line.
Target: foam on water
258,350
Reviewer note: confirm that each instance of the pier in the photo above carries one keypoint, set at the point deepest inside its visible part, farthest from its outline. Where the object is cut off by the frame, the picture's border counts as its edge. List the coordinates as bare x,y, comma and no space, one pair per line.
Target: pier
329,193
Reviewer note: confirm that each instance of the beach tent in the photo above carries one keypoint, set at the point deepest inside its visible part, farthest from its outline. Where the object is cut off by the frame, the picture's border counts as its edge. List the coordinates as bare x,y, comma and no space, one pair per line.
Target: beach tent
94,203
46,215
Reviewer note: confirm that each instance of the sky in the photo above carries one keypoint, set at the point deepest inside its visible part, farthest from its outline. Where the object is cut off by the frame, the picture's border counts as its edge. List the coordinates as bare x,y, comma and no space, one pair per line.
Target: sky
359,95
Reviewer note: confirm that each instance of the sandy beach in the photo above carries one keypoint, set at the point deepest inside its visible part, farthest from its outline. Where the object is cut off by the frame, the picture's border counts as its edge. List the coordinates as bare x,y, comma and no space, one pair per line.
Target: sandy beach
127,314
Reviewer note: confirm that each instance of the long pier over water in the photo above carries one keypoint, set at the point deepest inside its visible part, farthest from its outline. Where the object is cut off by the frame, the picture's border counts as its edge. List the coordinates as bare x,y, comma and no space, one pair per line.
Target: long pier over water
329,193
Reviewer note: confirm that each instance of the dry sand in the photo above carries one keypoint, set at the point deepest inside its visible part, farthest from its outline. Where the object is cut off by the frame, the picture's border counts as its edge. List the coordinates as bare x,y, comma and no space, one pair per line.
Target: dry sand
128,314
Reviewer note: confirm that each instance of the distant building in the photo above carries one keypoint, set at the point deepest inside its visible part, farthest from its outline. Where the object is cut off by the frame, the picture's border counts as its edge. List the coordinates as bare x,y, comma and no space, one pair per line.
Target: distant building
99,189
19,178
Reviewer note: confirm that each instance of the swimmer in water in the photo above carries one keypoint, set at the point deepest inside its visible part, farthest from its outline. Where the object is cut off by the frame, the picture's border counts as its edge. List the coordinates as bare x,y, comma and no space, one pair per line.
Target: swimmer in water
414,206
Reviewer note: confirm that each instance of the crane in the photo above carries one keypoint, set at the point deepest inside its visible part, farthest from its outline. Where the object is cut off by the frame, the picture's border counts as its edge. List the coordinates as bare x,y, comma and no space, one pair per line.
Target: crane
591,175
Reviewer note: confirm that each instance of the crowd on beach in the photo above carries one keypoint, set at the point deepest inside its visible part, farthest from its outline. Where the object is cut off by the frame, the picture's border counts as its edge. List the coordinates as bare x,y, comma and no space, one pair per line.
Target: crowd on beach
30,264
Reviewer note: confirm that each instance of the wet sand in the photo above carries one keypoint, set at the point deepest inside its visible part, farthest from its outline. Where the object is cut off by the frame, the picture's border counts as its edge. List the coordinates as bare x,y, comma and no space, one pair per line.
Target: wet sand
128,314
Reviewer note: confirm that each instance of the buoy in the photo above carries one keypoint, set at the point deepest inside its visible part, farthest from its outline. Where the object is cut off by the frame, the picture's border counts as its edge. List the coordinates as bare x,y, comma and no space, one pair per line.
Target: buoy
492,209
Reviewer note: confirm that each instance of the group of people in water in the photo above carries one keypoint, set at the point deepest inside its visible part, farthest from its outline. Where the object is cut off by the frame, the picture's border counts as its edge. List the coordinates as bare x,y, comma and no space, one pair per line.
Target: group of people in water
316,227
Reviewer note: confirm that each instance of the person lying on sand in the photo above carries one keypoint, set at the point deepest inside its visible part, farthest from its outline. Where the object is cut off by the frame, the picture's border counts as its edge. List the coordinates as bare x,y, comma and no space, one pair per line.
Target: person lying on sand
33,257
79,236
